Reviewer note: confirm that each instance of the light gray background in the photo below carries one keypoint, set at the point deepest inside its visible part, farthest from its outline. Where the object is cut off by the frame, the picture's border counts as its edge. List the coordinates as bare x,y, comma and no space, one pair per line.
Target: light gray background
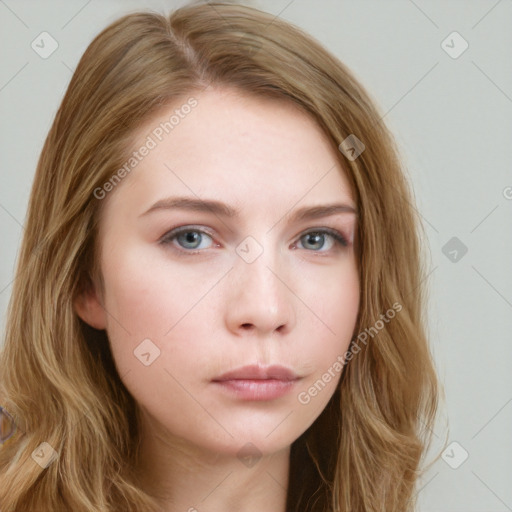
452,119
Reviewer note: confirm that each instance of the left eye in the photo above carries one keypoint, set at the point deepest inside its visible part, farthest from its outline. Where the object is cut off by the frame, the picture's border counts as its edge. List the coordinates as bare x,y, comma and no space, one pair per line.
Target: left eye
316,240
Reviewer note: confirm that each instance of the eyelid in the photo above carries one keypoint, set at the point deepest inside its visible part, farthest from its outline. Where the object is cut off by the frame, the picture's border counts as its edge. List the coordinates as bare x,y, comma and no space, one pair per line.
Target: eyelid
187,227
337,235
173,233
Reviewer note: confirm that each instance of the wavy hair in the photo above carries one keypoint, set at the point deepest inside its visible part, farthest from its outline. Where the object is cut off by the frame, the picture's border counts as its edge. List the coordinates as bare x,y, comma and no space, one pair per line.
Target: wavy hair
57,377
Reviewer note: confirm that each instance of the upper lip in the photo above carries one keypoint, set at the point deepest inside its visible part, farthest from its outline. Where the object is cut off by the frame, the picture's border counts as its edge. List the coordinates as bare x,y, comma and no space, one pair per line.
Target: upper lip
256,372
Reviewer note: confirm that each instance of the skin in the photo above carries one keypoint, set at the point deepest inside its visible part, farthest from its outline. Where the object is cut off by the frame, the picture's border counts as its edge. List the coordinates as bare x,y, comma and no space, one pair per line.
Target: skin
211,311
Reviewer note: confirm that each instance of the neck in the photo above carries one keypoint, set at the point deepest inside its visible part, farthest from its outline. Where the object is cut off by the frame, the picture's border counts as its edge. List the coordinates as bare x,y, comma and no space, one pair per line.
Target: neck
186,477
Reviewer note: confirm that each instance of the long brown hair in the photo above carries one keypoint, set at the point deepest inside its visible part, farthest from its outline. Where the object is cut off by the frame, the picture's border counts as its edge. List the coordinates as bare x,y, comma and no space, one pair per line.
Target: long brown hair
58,380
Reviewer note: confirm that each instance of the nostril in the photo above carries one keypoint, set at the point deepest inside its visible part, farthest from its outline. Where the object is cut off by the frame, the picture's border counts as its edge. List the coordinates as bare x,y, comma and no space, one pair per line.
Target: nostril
247,326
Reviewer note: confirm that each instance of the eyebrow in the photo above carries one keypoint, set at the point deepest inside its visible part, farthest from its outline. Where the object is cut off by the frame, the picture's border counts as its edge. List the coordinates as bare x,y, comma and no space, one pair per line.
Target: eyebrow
223,210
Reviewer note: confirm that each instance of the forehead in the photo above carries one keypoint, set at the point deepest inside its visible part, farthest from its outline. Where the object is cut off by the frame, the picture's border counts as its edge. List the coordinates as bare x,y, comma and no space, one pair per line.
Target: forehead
242,149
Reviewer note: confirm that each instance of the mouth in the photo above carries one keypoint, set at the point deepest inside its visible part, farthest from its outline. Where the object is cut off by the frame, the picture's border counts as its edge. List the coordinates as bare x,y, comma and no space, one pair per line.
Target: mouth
256,372
257,383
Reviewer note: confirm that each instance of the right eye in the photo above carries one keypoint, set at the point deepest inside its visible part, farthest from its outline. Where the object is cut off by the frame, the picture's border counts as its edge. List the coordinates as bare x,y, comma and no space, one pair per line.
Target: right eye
189,239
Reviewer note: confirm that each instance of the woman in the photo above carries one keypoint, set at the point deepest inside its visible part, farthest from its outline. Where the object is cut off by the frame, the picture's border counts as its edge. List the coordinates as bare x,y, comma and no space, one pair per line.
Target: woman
218,301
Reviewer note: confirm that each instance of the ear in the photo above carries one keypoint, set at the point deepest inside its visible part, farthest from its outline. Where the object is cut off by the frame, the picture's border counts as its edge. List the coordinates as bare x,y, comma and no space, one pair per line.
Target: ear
89,308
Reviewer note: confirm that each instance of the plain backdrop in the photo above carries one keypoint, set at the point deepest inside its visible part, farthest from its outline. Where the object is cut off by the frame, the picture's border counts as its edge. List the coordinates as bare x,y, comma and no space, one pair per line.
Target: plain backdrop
450,108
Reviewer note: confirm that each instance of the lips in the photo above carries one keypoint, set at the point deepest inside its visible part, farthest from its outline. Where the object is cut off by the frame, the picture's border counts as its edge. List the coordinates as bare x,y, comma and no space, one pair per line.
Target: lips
255,372
257,383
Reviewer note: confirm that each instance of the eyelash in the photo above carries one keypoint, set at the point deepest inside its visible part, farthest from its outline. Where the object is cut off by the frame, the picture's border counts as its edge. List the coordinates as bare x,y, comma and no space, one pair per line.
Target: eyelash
170,236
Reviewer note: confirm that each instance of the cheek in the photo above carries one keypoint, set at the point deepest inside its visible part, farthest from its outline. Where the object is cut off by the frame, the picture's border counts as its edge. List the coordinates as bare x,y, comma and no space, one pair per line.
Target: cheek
157,314
341,311
157,341
329,330
147,295
332,296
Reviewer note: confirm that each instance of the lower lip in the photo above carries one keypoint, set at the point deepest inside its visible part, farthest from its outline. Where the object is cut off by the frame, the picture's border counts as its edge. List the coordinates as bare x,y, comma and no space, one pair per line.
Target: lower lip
257,390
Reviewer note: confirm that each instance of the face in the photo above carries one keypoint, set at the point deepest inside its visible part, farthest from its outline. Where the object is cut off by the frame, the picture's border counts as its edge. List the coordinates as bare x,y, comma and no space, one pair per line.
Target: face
230,292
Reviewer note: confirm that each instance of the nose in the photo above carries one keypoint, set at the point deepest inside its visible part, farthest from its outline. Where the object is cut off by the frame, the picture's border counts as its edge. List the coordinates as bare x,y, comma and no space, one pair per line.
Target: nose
260,301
